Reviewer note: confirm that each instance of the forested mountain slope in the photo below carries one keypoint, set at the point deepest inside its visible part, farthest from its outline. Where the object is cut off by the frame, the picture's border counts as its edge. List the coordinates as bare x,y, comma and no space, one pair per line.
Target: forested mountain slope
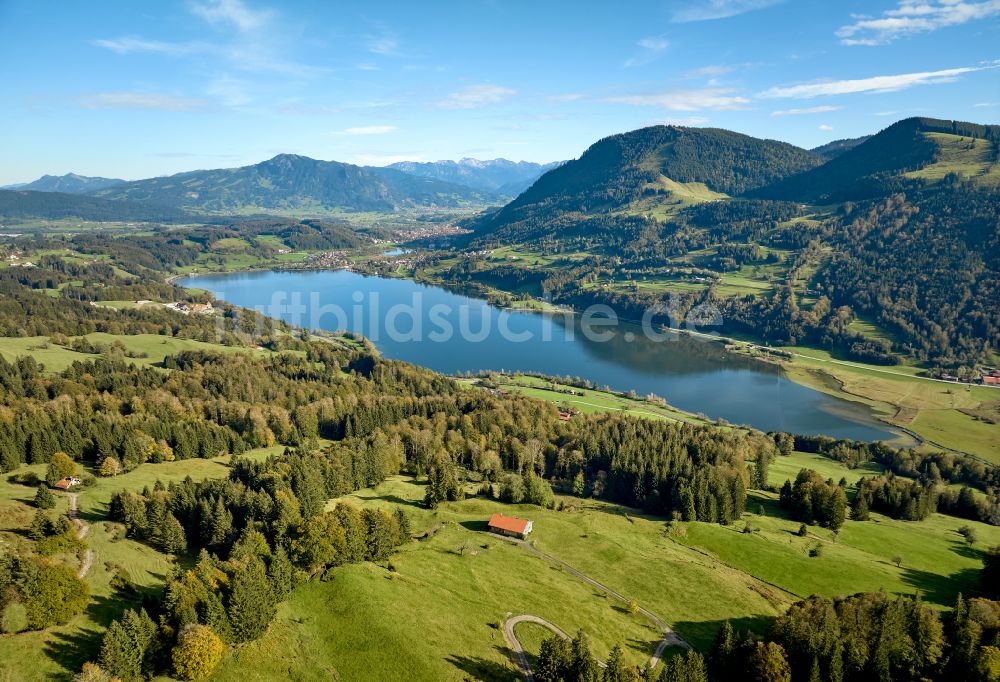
18,204
908,152
665,164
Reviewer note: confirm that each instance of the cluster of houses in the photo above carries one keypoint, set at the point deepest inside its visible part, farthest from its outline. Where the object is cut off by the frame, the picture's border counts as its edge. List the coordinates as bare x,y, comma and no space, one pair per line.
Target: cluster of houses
327,259
429,231
991,377
186,308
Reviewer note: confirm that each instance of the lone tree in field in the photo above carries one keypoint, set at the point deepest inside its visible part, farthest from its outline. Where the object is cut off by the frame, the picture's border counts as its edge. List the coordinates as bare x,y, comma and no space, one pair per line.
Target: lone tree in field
60,466
110,467
44,499
197,653
898,560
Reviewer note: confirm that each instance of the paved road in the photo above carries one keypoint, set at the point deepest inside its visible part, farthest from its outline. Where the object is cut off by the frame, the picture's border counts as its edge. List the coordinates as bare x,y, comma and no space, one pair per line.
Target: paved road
81,532
670,638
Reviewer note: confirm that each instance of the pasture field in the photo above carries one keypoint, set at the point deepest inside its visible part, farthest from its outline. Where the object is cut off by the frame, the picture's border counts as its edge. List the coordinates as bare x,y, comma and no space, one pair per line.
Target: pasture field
592,401
953,416
155,347
432,611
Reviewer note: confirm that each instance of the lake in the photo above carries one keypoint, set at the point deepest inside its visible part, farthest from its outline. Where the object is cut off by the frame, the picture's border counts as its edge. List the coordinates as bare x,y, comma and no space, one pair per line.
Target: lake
451,333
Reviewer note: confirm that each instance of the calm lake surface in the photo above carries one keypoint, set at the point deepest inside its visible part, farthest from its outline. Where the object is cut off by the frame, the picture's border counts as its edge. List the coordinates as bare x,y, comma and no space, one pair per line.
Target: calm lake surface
408,321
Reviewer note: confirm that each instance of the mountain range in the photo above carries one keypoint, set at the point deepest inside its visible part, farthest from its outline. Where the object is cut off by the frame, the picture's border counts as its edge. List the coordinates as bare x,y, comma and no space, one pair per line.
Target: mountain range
496,176
651,171
71,183
658,170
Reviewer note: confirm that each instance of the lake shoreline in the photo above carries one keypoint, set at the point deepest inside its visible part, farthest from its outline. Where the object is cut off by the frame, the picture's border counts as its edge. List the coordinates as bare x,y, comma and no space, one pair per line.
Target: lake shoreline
697,375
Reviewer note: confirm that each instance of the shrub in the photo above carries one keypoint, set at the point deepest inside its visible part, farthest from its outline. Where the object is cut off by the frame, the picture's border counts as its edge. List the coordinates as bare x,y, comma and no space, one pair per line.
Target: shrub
197,653
14,618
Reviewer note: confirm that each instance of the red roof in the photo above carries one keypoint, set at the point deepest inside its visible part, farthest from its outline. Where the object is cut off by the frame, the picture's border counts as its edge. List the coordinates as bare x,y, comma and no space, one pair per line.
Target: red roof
508,523
64,483
991,380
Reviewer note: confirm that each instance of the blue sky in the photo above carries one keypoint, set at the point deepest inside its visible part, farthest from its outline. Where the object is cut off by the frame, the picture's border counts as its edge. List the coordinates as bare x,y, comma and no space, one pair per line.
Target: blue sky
135,89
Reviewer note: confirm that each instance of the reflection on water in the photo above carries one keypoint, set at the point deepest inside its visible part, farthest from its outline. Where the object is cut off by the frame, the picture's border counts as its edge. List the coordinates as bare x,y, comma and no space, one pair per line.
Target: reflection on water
407,321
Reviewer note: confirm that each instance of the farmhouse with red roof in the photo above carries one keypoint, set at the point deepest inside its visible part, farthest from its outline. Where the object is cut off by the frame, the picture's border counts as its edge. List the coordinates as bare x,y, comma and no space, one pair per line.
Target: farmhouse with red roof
509,525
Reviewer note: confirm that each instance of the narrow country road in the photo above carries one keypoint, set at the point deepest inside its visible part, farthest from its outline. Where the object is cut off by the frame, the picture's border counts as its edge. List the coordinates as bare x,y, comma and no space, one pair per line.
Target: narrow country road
515,643
670,638
81,532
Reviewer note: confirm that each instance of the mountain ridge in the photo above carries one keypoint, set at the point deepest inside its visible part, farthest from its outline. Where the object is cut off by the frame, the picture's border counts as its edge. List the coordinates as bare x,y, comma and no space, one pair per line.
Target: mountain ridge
70,183
499,176
297,183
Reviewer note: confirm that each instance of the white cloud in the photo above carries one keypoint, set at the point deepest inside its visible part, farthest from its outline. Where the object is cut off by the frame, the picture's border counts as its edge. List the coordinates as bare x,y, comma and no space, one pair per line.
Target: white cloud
716,99
710,71
232,92
981,105
367,130
825,128
367,67
475,96
128,45
140,100
233,12
649,50
255,42
567,97
805,111
914,16
873,84
705,10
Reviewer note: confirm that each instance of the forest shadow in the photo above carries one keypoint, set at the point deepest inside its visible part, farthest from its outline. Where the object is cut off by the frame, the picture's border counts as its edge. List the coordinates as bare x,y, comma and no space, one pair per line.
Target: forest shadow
395,499
643,646
941,589
695,632
964,549
72,649
479,668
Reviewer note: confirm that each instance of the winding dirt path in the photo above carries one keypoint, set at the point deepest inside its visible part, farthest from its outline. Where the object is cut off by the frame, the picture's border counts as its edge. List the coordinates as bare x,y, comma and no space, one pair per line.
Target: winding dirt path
670,637
81,532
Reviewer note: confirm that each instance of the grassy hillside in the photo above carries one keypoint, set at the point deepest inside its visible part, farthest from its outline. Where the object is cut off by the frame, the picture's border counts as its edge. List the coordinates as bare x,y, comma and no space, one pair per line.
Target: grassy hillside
914,148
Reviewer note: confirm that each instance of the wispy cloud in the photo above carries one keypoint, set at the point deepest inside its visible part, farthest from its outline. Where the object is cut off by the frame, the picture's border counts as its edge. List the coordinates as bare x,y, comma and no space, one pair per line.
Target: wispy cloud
141,100
982,105
710,71
805,111
873,84
914,16
566,97
705,10
716,99
255,42
366,130
825,128
382,41
130,45
475,96
650,50
233,12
